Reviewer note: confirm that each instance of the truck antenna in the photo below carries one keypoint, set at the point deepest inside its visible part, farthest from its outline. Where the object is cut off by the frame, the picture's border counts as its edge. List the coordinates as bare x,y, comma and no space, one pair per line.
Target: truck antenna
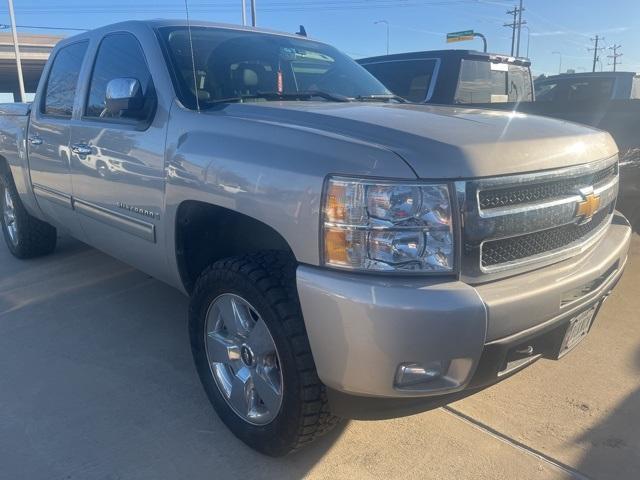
193,59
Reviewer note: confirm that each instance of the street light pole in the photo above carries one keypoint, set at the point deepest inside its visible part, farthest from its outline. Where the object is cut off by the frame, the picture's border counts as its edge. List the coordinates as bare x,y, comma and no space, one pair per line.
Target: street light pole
387,24
528,38
560,65
244,13
14,32
253,13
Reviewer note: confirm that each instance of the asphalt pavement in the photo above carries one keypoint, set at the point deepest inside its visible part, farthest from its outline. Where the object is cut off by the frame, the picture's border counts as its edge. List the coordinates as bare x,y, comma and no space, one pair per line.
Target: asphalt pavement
97,382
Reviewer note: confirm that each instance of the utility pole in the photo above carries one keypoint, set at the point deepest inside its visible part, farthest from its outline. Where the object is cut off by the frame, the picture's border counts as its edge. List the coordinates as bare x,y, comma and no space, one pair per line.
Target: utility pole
516,28
253,13
596,49
14,32
614,57
520,23
244,13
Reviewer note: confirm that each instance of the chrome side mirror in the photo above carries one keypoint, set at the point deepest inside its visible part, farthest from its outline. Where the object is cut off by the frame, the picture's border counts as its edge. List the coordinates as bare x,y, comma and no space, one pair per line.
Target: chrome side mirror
124,95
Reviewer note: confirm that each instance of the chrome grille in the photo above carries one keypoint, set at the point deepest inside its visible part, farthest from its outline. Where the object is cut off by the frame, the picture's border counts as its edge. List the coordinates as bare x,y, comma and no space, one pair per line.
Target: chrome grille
513,249
514,223
505,197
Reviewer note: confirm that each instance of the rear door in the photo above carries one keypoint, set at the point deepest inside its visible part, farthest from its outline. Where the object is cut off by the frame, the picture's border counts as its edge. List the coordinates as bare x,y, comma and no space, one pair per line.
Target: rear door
48,137
117,160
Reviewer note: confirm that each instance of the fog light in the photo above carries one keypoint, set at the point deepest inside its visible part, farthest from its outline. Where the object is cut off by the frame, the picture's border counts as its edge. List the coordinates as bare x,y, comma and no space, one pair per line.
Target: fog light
412,374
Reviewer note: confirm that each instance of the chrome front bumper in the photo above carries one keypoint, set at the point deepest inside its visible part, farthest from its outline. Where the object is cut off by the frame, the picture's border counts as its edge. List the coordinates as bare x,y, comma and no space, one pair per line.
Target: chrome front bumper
363,327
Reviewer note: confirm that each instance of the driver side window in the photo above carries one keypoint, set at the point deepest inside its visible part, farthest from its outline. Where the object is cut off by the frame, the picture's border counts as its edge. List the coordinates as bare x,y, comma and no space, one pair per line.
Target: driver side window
119,56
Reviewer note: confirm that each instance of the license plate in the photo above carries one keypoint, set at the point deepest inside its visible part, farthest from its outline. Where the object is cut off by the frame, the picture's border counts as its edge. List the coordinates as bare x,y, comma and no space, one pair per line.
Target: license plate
579,326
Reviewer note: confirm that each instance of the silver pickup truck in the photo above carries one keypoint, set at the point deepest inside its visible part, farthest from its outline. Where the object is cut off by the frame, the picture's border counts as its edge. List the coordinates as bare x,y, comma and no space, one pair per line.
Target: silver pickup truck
347,254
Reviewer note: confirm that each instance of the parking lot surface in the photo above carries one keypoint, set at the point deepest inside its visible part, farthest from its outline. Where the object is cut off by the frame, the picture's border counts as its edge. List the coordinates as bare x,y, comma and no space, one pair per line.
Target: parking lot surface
97,383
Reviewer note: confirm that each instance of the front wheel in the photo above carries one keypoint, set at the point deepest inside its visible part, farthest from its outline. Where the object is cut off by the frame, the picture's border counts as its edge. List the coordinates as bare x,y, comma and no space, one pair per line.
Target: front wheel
253,356
26,236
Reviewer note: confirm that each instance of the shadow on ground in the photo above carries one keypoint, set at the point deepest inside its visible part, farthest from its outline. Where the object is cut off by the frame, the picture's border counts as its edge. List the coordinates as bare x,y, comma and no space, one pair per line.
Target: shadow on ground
612,445
97,379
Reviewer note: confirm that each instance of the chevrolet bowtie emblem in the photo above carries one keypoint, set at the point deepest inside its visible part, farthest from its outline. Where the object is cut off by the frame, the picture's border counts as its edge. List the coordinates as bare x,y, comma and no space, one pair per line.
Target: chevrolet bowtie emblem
588,207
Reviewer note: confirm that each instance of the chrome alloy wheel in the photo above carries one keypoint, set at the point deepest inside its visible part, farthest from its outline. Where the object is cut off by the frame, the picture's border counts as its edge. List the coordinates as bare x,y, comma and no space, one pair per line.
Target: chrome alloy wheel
243,359
9,215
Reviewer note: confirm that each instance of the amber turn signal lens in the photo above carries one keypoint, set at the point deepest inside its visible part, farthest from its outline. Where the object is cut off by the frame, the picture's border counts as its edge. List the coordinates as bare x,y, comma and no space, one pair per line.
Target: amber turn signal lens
335,246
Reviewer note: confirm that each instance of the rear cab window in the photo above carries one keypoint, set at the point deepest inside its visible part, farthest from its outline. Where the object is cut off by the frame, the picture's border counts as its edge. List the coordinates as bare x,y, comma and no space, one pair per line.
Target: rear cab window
62,82
410,79
482,81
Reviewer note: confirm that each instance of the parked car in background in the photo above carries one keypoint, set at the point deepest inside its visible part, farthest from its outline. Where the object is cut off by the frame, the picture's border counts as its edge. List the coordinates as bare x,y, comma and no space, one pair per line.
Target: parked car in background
581,87
453,76
607,100
346,254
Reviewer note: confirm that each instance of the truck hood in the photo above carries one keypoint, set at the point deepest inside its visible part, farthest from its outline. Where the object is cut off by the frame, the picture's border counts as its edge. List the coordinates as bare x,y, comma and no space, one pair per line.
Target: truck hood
445,142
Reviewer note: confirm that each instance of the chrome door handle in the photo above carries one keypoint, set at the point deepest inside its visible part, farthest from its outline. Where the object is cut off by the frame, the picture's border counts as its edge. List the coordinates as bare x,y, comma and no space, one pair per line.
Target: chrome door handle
35,141
81,149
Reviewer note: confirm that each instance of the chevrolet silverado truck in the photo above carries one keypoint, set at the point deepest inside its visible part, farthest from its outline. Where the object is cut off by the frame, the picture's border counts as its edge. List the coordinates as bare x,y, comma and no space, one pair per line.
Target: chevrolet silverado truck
346,254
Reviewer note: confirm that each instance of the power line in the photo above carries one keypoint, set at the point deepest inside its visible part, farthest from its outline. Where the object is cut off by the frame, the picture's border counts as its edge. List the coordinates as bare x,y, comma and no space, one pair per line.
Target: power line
40,27
614,57
218,6
596,50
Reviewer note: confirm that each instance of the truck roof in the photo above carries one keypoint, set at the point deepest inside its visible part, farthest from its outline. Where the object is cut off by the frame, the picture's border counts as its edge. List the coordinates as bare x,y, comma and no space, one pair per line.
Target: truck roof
449,54
588,74
131,25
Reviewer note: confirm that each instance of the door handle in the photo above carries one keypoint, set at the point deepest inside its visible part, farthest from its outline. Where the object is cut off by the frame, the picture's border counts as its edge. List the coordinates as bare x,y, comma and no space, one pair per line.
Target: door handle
35,141
81,149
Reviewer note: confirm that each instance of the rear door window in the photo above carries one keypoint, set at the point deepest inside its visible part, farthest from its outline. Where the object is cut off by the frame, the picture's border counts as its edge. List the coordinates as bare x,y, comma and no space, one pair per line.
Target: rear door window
593,89
409,79
63,80
486,82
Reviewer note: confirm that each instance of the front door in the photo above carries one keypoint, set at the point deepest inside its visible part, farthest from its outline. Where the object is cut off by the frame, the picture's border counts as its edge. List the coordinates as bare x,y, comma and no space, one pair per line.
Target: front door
48,138
117,161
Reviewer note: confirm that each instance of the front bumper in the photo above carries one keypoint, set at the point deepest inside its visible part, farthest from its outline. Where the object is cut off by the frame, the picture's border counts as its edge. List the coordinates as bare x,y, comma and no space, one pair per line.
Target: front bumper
363,327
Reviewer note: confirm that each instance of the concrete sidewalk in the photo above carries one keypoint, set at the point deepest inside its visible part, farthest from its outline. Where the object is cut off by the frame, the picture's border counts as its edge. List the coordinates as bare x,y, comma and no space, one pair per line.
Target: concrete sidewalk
97,382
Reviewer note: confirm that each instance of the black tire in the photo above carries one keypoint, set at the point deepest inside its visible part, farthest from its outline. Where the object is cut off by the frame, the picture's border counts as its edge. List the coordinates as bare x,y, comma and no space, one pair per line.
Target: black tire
267,281
34,237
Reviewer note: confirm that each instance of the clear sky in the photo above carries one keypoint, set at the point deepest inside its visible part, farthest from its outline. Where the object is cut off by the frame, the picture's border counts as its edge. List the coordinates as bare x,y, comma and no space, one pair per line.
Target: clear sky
564,26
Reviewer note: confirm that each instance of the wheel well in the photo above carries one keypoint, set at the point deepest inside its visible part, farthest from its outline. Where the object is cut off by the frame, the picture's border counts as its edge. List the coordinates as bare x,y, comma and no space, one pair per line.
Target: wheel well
206,233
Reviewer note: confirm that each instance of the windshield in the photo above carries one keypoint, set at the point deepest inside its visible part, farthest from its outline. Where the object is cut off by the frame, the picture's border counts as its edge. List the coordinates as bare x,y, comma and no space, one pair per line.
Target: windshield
236,64
482,81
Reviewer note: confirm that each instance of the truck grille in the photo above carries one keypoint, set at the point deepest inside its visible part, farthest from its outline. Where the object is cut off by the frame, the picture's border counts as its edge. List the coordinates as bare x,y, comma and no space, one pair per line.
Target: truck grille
513,249
505,197
519,222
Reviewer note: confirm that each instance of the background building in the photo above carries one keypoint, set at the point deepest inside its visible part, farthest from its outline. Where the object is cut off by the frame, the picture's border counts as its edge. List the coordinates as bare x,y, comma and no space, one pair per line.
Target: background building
34,52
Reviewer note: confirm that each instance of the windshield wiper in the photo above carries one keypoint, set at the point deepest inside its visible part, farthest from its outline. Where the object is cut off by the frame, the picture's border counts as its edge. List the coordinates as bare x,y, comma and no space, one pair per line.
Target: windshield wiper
382,97
302,95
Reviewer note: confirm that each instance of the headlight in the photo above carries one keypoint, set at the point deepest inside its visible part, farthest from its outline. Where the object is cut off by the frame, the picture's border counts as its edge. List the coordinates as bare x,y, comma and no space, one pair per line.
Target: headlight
388,226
